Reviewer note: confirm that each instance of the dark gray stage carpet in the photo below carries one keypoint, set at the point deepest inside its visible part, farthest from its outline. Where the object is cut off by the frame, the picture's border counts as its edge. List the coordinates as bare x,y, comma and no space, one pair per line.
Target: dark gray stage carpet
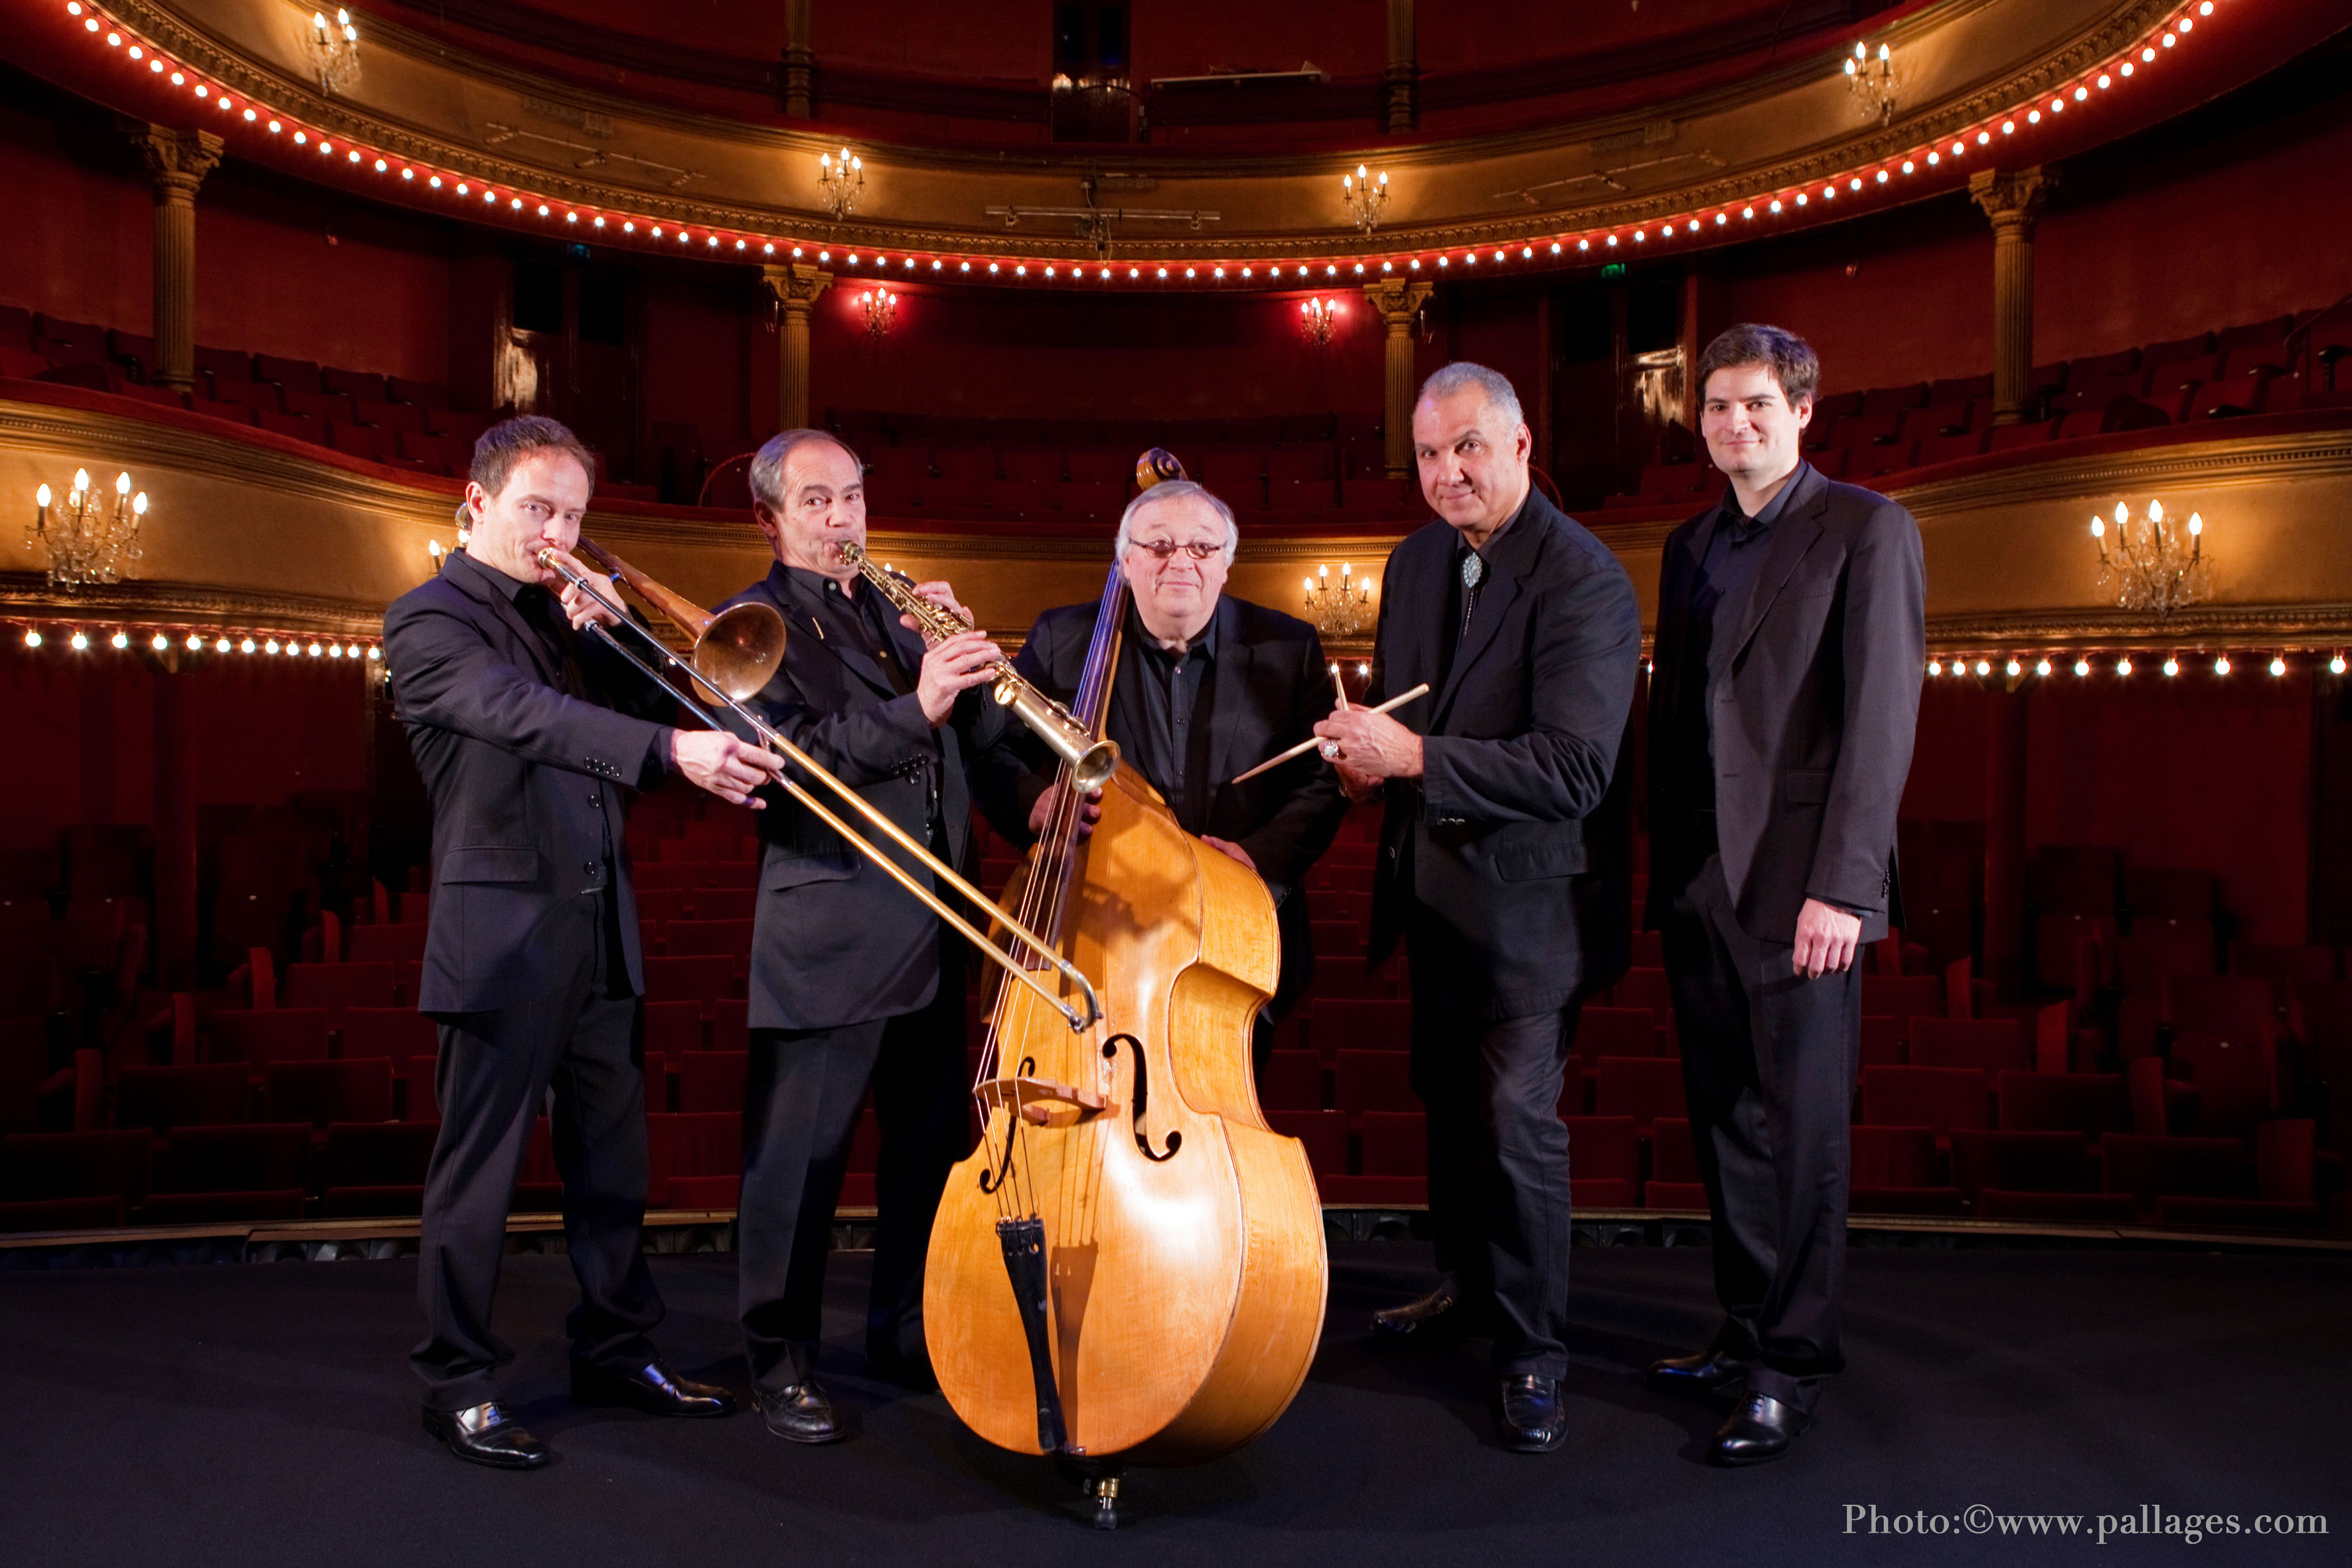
262,1415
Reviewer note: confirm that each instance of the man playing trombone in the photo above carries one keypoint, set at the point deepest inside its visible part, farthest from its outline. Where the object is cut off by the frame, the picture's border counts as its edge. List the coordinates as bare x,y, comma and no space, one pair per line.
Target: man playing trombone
526,735
853,981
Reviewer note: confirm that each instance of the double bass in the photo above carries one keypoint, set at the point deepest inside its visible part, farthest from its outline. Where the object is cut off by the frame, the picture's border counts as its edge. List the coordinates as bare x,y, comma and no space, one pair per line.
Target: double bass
1130,1267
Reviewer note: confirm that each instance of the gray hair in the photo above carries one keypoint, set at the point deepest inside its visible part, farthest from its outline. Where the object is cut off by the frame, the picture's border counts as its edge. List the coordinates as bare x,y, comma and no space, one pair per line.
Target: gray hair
1461,375
767,464
509,441
1174,489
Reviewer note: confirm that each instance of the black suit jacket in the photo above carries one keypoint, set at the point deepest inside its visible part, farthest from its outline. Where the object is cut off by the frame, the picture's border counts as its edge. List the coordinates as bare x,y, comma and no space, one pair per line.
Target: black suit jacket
1813,702
1515,841
834,940
526,784
1269,685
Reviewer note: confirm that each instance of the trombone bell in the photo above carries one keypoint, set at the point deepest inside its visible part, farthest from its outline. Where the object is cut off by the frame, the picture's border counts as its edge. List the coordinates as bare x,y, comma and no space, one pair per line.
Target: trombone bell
741,650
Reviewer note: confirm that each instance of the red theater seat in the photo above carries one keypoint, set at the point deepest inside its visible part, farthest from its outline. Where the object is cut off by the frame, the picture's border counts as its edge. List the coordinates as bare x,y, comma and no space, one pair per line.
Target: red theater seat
1902,997
200,1094
335,988
1293,1081
213,1174
1990,1044
386,943
1325,1134
375,1168
1674,1182
1941,1099
1395,1166
1370,1080
711,1081
2092,1103
703,979
275,1035
346,1089
2152,1167
1638,1089
731,938
1895,1172
2022,1161
39,1167
1604,1162
2236,1080
672,1028
1615,1032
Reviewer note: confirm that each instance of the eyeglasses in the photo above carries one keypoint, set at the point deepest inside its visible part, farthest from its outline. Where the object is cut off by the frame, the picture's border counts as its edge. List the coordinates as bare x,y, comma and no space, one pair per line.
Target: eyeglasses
1161,549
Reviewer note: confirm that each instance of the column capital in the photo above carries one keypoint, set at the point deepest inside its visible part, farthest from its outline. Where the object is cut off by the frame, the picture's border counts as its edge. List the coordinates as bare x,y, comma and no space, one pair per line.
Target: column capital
1396,299
795,284
177,160
2012,198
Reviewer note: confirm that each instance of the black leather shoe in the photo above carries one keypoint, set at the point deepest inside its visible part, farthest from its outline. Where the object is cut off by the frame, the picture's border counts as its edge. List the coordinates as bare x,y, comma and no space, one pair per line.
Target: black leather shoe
485,1434
1761,1429
650,1388
801,1413
1710,1371
1528,1416
1441,1314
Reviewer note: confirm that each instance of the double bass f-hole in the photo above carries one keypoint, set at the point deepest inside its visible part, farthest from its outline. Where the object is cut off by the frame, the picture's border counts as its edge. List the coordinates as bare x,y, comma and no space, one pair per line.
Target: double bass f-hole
1142,1097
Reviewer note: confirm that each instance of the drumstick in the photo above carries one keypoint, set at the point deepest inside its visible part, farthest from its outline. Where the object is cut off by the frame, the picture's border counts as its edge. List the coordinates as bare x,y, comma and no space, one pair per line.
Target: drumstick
1339,685
1305,746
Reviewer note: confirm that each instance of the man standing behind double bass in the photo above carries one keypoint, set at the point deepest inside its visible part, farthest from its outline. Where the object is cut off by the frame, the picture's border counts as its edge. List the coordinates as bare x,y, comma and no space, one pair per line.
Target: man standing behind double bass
1206,686
852,981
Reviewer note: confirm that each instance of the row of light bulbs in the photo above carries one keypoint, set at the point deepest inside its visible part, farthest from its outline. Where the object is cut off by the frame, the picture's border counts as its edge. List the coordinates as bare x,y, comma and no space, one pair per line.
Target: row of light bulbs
291,646
2014,665
2166,35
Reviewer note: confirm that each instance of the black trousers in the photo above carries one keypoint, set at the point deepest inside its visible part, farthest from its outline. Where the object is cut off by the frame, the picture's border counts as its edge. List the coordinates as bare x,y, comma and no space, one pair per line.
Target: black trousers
1769,1064
493,1076
800,1111
1498,1194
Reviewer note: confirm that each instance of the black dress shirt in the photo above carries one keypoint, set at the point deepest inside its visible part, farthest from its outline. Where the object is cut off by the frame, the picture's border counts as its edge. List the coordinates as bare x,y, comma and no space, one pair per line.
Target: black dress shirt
1718,594
1178,707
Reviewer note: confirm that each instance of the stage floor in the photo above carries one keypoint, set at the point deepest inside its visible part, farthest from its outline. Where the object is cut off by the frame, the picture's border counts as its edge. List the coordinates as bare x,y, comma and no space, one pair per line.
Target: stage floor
262,1415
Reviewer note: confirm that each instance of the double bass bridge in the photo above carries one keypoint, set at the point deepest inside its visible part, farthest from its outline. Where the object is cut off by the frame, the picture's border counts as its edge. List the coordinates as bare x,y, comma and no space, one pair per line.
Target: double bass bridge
1028,1098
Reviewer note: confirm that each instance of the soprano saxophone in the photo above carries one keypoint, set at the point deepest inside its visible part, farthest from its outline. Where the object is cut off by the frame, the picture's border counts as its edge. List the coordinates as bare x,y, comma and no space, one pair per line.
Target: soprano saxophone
1091,758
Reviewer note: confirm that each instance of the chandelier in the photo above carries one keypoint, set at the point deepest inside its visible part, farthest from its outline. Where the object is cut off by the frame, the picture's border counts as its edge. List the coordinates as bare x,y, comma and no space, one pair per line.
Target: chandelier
839,179
1339,609
1871,79
334,49
2155,566
881,308
1365,197
86,544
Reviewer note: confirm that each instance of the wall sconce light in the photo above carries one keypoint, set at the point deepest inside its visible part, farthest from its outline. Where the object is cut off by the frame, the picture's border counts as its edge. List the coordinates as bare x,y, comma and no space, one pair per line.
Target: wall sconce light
1316,319
86,545
2157,567
1339,609
334,49
1872,80
1366,196
839,180
881,307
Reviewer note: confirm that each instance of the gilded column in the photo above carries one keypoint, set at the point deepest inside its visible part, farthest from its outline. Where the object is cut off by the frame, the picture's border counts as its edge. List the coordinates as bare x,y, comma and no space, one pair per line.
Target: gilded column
1398,81
2013,201
1398,302
799,62
177,160
796,286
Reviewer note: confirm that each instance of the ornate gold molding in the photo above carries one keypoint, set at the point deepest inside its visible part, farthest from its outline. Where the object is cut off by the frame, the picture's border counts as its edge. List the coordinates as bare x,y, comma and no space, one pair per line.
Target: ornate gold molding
27,594
2098,39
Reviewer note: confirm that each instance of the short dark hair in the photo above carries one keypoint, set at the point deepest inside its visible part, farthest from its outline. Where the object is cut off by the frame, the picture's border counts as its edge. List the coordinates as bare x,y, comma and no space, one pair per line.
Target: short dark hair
1788,357
509,441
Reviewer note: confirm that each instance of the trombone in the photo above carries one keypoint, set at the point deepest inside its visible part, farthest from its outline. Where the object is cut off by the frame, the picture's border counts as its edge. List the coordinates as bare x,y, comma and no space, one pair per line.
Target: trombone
733,656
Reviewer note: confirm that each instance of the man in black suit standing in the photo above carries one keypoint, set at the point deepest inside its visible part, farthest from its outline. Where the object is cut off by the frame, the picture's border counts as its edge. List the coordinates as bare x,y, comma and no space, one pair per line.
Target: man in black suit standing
1782,706
1207,687
852,981
528,734
1504,862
